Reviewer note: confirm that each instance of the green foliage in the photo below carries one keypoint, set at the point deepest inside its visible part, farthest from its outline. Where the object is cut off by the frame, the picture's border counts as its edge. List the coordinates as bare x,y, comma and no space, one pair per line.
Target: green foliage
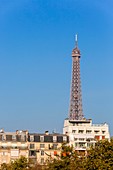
68,160
18,164
100,157
21,164
5,166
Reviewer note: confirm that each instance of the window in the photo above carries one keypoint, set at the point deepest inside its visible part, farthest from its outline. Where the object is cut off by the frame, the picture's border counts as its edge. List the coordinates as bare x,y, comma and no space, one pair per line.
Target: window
14,137
89,144
73,131
97,137
41,138
80,131
31,138
103,137
54,146
42,161
89,139
32,153
64,138
54,138
103,132
88,131
96,131
82,139
49,146
23,138
42,152
42,145
81,144
4,153
3,137
75,139
32,146
76,144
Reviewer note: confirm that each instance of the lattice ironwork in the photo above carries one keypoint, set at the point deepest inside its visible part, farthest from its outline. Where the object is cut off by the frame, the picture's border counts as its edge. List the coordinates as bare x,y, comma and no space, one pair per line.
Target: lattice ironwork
75,110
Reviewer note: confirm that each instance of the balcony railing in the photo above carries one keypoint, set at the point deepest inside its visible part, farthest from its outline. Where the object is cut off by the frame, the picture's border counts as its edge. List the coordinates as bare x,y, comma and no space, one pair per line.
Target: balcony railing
12,147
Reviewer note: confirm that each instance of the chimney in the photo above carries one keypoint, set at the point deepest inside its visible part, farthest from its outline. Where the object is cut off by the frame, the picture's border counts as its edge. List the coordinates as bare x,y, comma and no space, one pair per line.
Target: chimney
47,132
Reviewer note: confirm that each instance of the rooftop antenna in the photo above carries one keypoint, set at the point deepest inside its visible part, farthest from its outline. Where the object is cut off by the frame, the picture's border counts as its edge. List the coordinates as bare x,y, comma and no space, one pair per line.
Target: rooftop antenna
76,40
54,131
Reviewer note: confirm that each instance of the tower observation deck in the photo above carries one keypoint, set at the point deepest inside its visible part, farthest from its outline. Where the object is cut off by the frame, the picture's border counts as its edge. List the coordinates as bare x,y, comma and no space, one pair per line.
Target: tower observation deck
75,109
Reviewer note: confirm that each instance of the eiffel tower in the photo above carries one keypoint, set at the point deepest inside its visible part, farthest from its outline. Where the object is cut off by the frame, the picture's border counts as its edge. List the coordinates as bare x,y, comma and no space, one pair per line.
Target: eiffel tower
75,109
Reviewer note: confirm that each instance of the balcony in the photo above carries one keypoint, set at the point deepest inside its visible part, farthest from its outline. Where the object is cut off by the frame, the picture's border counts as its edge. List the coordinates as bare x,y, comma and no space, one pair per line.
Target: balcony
14,147
82,148
33,157
23,148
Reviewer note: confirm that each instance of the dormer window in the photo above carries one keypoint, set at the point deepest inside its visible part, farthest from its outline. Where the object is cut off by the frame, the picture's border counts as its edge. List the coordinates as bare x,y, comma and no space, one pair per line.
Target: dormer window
54,138
31,138
64,138
3,137
23,138
13,137
41,138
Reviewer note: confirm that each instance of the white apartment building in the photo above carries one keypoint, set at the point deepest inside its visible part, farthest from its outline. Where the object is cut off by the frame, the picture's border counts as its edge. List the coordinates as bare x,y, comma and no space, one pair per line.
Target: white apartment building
82,133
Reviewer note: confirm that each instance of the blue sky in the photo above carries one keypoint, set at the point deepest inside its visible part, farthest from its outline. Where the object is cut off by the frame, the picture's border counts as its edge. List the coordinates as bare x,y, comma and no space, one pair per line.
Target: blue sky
36,41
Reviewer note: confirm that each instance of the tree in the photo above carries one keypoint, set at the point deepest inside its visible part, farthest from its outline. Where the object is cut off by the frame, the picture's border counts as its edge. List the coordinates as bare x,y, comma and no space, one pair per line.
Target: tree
5,166
18,164
100,157
68,160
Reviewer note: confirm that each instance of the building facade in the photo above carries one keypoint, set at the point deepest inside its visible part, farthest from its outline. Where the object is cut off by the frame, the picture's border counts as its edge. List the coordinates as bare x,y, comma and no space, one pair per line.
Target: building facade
37,148
13,145
44,146
82,133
